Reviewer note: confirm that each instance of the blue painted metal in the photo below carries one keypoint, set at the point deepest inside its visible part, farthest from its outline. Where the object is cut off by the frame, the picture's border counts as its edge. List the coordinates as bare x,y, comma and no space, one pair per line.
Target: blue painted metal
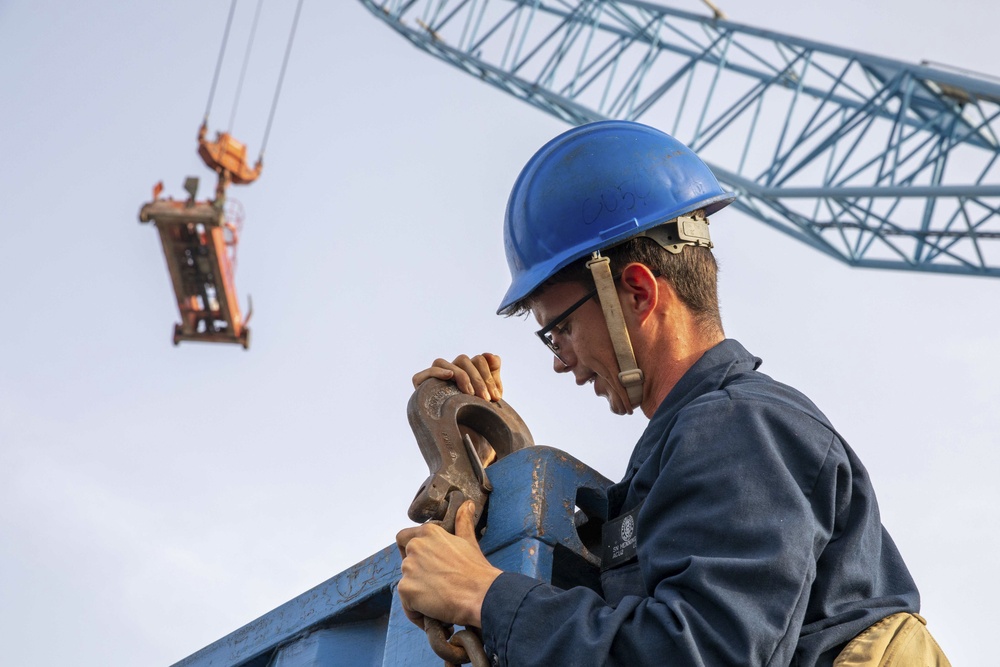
355,619
873,161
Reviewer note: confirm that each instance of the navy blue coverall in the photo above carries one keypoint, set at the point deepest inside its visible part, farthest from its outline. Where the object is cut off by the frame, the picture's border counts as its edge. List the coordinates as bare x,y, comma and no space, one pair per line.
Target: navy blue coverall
758,541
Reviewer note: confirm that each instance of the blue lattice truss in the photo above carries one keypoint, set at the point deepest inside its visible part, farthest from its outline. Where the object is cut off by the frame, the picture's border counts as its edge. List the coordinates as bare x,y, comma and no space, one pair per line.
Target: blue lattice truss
875,162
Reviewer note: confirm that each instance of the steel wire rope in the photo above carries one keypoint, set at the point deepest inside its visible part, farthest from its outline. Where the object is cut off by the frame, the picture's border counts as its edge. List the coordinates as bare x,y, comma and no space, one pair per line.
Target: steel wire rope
218,63
246,61
281,78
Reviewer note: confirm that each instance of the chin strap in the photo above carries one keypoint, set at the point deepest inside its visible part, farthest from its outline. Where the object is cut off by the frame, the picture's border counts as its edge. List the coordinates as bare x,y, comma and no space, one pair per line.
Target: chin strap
630,375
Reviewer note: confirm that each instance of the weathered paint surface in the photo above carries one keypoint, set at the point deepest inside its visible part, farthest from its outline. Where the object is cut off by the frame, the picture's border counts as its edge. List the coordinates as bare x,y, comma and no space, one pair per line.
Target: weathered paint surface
355,617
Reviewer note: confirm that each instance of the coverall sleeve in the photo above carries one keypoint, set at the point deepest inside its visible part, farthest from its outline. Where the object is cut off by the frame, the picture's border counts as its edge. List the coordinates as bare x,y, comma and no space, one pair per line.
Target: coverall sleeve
739,501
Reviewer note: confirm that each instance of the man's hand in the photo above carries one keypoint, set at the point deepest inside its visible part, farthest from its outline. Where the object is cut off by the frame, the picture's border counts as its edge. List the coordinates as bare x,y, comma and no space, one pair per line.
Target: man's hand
444,576
478,375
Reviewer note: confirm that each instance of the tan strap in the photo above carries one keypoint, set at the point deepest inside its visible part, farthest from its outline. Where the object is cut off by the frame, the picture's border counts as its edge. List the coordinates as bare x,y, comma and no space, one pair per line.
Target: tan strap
629,373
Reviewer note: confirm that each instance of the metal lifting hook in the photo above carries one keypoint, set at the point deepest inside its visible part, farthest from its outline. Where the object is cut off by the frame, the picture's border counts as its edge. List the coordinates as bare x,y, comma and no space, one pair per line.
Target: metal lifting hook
459,436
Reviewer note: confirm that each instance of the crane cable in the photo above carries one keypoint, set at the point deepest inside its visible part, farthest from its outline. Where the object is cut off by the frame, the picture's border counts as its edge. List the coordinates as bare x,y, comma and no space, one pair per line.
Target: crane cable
243,71
218,63
281,77
246,61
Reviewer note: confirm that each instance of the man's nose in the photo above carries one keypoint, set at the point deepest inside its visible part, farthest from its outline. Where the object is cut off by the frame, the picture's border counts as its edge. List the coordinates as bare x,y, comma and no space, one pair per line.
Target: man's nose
560,366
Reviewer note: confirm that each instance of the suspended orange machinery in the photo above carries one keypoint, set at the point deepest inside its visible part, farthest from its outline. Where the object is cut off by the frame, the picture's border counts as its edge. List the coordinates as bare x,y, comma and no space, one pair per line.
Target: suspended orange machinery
199,244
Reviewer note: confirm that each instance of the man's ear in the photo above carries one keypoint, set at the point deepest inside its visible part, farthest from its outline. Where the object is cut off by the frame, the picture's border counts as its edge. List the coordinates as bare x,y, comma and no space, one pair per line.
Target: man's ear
640,290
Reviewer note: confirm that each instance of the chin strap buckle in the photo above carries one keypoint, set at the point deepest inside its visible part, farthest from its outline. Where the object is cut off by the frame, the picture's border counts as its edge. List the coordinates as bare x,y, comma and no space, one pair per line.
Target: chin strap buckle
632,381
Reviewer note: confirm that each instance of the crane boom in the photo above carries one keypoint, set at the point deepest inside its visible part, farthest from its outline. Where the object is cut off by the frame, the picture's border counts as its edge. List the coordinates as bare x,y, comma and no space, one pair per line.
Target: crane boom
873,161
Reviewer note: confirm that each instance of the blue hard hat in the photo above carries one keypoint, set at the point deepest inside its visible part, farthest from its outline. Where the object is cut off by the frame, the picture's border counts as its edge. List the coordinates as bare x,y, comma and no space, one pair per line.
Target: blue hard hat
595,186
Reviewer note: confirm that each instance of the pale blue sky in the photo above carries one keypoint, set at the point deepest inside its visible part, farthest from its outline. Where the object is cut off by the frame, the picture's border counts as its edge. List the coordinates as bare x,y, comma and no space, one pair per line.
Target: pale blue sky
154,499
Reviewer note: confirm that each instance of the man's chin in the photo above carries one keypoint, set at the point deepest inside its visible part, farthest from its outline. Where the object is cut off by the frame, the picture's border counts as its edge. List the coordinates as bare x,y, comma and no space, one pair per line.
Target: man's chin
616,405
615,402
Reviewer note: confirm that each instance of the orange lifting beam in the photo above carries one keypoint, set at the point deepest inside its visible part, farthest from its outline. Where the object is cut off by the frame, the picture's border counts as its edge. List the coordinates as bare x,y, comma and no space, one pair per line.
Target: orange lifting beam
199,246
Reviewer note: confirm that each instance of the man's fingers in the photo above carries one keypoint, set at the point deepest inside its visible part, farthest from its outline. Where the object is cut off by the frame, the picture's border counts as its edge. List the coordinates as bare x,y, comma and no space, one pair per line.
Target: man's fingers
444,576
465,522
469,376
438,372
476,376
415,617
405,592
493,361
403,538
482,365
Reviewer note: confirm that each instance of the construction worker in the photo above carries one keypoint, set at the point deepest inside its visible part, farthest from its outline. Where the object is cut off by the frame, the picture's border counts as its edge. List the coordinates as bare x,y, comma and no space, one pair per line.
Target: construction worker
746,531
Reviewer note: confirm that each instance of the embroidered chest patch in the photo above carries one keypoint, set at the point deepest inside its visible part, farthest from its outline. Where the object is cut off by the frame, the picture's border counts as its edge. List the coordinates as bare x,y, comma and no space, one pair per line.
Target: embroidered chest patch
619,540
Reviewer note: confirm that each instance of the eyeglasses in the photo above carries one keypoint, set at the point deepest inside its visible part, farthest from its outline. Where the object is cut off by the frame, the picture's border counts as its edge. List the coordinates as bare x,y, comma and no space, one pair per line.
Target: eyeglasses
545,333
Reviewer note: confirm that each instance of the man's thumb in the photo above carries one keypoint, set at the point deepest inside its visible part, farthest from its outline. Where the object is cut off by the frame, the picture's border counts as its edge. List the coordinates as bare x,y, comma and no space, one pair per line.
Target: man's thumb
465,522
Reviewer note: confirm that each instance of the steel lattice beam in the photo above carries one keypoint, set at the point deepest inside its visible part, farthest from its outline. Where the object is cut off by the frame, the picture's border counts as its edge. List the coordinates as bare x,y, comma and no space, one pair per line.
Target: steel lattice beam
873,161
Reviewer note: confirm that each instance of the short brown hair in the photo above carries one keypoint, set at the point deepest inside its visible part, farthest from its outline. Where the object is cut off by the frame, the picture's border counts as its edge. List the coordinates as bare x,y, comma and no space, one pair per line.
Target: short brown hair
693,273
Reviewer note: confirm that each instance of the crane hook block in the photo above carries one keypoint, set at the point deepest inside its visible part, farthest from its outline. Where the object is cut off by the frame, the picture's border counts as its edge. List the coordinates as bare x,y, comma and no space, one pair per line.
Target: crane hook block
228,158
199,244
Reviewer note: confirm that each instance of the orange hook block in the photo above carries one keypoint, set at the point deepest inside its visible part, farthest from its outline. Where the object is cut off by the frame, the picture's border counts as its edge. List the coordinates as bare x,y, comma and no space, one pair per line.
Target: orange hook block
227,157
